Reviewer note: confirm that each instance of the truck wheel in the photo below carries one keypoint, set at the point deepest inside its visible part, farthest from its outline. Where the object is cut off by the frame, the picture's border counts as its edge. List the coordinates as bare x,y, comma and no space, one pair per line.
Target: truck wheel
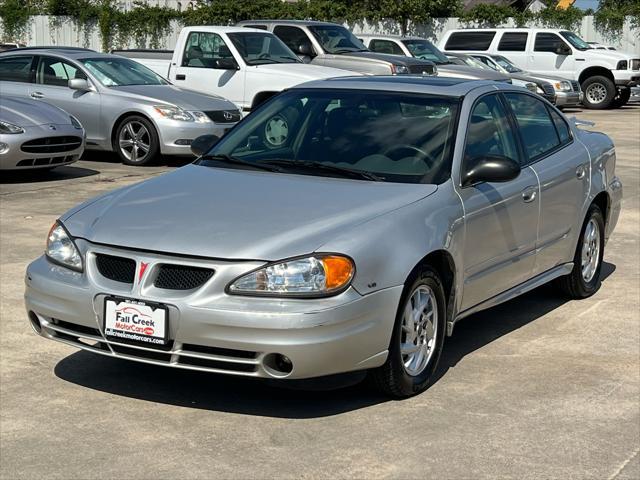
622,98
599,92
417,338
136,141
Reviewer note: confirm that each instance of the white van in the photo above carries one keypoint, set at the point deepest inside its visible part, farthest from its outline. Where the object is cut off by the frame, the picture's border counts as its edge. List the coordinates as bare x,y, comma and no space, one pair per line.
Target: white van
606,76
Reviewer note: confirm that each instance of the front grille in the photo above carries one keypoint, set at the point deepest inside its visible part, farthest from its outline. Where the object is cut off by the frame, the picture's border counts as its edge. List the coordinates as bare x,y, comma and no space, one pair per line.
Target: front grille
635,64
575,85
224,116
181,277
118,269
224,352
39,162
51,145
422,69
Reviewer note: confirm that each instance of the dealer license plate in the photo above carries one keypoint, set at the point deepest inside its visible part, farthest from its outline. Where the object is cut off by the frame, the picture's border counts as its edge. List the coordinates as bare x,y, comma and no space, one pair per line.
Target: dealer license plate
135,321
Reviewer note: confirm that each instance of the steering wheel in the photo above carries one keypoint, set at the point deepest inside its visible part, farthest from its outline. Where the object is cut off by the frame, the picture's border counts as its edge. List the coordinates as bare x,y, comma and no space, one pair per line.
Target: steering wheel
421,154
264,55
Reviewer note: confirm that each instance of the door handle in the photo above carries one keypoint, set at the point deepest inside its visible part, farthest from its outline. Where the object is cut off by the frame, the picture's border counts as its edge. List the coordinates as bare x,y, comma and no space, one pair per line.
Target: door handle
181,76
37,95
581,171
529,194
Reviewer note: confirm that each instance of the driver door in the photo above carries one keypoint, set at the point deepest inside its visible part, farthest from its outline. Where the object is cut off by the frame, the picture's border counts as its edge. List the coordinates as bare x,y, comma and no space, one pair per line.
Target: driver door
544,59
501,219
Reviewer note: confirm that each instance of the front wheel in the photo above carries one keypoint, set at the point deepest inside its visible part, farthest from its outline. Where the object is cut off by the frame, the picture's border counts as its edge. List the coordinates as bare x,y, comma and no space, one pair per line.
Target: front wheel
417,338
599,92
136,141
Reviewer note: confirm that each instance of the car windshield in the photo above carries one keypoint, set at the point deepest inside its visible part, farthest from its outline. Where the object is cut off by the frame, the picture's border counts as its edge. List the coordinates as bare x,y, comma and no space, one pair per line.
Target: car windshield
258,48
392,137
506,64
426,50
575,40
119,71
337,39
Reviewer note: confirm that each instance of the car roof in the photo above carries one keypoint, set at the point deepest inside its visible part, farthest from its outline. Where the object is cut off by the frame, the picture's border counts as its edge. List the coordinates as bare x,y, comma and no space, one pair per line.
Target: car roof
219,29
507,29
452,87
287,22
71,54
390,37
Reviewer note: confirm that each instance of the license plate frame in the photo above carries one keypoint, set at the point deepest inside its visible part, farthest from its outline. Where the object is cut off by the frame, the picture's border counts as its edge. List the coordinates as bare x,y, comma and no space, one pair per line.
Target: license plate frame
136,337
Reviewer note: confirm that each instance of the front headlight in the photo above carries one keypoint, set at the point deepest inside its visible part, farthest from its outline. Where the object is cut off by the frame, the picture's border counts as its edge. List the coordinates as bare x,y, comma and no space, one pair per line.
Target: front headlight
316,275
400,69
61,249
173,113
10,128
75,122
201,117
562,86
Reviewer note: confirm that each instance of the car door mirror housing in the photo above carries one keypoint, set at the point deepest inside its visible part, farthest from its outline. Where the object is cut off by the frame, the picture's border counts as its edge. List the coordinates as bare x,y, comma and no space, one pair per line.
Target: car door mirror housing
563,50
80,84
305,49
227,64
203,144
491,168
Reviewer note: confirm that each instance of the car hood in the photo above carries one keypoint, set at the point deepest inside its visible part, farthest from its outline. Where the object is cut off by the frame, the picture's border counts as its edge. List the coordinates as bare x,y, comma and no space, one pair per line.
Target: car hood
28,113
610,55
386,57
303,71
463,71
235,214
534,76
170,94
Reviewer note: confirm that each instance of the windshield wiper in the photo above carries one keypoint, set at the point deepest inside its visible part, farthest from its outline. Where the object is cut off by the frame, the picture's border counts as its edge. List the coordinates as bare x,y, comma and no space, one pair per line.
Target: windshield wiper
310,165
223,157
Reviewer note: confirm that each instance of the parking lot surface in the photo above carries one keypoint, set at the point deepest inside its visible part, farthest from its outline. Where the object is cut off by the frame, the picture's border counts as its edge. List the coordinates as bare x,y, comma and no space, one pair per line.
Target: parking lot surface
539,387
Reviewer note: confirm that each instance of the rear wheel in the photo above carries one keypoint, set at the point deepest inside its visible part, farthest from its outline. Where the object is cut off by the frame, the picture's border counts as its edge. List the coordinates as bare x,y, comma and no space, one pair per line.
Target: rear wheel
584,279
136,141
417,338
599,92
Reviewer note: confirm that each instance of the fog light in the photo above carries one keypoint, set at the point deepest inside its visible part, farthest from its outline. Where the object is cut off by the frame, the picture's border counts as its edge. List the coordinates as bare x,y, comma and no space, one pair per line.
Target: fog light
277,364
35,323
4,148
184,141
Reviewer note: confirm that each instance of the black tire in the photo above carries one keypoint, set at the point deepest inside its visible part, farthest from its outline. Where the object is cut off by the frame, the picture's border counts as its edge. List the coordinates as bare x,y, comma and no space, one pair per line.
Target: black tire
622,98
574,284
148,139
599,92
392,377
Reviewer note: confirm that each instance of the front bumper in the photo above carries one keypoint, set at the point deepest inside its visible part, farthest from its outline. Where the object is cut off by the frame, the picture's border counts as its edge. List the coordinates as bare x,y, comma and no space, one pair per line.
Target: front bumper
212,331
176,137
626,78
614,190
48,153
567,99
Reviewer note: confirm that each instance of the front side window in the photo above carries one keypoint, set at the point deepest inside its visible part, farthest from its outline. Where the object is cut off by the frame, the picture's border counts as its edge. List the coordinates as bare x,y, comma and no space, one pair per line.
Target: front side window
118,72
53,71
537,130
487,62
257,48
293,37
385,46
205,50
470,40
489,133
549,42
336,39
16,68
513,42
426,50
506,65
397,137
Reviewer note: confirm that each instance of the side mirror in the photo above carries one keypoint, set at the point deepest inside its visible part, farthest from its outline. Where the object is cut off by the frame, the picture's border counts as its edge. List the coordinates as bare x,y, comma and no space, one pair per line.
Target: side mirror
81,84
491,168
563,50
227,64
203,144
305,49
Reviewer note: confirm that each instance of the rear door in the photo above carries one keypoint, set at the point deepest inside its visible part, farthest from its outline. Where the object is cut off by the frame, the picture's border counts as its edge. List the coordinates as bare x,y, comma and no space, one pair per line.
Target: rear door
501,219
51,85
562,166
16,74
513,45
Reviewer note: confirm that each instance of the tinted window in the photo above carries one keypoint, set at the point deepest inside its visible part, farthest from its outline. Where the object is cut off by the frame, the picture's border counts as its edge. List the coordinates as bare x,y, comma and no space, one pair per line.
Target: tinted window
385,46
16,69
561,126
204,50
53,71
293,37
259,27
469,40
489,132
399,137
425,50
336,39
513,42
548,42
536,127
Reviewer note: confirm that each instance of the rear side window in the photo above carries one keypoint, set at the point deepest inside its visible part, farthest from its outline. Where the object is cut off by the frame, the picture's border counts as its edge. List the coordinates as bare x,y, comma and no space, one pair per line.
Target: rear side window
16,69
548,42
537,130
385,46
513,42
561,126
470,40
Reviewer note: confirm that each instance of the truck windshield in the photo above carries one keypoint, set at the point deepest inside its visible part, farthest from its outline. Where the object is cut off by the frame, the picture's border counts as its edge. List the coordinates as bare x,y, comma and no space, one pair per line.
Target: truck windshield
337,39
575,40
119,72
261,48
426,50
506,64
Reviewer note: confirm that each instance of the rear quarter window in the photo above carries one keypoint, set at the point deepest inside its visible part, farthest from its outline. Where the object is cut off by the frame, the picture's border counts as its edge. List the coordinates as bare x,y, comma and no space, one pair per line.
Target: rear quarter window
513,42
470,40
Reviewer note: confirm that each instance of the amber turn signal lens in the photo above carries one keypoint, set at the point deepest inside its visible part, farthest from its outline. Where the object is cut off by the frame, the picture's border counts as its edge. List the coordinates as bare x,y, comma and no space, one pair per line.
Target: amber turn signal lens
338,271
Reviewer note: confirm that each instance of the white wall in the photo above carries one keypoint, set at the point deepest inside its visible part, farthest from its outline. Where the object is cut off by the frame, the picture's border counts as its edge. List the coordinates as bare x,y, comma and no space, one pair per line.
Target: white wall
44,30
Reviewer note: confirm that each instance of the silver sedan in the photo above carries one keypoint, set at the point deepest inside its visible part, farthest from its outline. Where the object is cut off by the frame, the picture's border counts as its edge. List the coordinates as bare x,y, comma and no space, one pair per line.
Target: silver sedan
124,106
37,135
384,211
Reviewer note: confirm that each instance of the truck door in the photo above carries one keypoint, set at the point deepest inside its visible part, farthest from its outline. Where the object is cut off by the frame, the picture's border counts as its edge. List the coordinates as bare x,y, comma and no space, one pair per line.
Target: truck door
551,56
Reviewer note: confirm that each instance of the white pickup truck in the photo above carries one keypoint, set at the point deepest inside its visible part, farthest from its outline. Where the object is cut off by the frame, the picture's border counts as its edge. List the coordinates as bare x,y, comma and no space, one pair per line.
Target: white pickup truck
246,66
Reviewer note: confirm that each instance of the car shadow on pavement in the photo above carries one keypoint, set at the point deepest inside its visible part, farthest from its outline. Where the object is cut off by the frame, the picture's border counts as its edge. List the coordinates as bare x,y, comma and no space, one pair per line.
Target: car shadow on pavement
39,176
320,398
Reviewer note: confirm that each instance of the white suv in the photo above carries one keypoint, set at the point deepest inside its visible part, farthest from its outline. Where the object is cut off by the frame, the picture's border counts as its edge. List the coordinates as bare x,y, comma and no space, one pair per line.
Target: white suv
606,76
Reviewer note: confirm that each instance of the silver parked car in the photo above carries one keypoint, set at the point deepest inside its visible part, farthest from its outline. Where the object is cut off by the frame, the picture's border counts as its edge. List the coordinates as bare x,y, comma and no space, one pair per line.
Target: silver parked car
347,224
37,135
124,106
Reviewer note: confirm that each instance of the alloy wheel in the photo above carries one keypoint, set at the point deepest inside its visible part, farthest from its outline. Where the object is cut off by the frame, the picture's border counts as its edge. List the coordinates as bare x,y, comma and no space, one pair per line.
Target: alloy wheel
419,330
590,250
134,141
